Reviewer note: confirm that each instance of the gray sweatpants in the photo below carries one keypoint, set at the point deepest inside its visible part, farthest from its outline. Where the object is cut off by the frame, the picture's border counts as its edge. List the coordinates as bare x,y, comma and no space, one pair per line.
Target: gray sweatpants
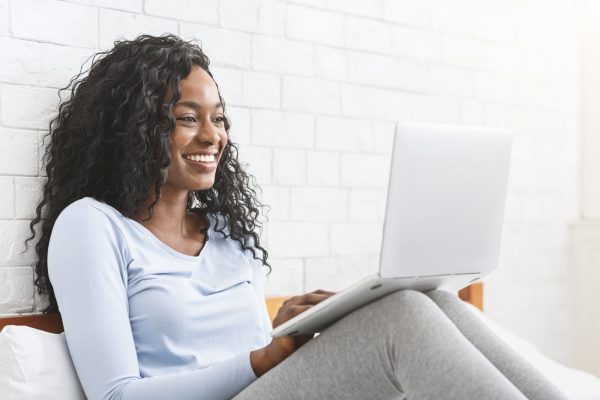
406,345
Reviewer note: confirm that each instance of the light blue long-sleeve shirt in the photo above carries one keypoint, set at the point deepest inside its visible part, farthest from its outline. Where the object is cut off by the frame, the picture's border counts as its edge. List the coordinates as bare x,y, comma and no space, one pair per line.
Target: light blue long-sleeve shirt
143,321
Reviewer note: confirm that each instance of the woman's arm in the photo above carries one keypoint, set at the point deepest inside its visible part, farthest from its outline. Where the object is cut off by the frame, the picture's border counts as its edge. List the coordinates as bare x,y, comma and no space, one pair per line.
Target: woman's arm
87,266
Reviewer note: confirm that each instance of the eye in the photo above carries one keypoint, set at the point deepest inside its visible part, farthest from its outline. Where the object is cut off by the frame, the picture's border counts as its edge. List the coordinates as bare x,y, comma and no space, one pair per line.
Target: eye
187,118
220,119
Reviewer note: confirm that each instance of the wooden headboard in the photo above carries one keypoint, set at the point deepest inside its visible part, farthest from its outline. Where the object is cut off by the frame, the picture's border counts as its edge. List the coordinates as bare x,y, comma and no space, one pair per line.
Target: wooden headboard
52,322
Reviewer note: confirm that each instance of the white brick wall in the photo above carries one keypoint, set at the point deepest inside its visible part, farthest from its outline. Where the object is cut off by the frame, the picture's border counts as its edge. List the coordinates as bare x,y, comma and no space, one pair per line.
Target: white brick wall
313,88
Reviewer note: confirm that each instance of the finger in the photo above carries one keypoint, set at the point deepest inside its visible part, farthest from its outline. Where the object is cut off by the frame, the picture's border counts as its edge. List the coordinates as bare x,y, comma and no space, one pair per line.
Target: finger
321,291
314,298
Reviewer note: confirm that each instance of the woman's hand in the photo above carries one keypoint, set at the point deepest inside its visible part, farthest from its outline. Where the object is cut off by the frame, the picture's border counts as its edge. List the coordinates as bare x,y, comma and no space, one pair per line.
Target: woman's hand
281,347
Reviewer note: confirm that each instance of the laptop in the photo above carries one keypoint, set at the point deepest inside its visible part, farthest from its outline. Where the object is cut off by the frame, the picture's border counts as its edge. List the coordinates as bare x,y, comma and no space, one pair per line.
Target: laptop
443,219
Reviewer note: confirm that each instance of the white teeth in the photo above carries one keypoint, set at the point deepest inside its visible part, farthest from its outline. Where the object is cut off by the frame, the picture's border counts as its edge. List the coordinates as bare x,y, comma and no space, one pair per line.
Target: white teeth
203,158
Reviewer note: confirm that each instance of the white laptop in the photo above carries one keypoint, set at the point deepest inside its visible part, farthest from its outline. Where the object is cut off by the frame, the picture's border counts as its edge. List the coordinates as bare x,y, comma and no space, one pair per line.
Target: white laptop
443,220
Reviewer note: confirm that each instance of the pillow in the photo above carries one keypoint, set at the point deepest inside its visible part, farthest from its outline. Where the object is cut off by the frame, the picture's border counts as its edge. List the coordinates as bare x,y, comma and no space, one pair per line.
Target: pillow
36,365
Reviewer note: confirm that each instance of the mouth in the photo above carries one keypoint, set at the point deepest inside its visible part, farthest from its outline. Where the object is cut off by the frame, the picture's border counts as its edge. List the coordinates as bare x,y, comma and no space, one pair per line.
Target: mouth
202,162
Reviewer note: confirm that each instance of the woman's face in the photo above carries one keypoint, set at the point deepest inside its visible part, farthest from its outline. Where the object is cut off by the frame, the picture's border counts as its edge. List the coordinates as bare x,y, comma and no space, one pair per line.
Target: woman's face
199,136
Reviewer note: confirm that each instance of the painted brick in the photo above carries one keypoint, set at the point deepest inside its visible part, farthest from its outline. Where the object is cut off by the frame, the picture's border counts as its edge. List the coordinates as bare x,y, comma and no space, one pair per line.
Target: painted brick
363,170
203,11
18,153
7,202
278,199
264,16
318,204
289,167
311,95
367,205
16,289
415,43
286,277
12,247
298,239
282,129
125,5
368,34
274,54
224,47
323,168
350,239
55,22
496,28
494,87
408,12
457,17
4,18
321,273
27,107
240,124
330,63
315,25
28,192
453,81
229,81
383,136
119,25
367,8
459,51
367,102
344,134
271,18
33,63
261,89
259,162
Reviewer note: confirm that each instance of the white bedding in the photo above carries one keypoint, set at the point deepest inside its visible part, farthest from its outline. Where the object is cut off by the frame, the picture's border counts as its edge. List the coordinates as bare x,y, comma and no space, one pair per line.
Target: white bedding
576,384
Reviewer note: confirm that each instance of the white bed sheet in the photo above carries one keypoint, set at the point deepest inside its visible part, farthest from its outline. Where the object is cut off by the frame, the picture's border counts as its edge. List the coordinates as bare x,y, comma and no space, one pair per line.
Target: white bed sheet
576,384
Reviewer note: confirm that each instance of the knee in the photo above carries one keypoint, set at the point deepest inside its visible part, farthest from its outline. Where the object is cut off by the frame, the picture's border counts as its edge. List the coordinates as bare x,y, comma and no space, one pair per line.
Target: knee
407,303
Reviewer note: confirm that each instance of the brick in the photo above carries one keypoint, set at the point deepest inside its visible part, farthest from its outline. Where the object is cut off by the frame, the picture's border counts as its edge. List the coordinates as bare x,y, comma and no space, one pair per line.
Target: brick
318,204
282,129
321,273
203,11
278,199
362,170
311,95
471,112
351,239
494,87
415,43
286,277
383,136
536,93
498,58
289,167
344,134
4,19
330,63
43,64
71,24
456,18
315,25
119,25
279,55
352,269
28,193
264,16
259,160
125,5
367,102
459,51
367,205
27,107
408,12
12,243
368,34
19,152
298,239
387,72
323,168
434,109
239,132
494,28
367,8
7,193
261,89
452,80
224,47
16,289
229,81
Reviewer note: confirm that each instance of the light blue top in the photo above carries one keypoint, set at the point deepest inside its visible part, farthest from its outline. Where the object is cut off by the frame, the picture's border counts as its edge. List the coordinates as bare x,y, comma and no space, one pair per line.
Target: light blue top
143,321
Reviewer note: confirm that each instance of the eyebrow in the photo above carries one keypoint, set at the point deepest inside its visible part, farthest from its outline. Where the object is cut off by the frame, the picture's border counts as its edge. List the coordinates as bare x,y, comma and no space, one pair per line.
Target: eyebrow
193,104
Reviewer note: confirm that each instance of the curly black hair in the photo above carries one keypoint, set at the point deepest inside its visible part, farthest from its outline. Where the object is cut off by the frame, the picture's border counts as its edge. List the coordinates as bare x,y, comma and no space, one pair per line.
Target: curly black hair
111,140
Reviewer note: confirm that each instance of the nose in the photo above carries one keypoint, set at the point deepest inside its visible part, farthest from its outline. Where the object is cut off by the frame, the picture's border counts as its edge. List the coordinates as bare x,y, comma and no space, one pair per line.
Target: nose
208,133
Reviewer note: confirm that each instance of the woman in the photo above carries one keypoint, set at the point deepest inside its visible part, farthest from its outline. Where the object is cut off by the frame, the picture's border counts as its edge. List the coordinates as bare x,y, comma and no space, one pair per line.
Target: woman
148,250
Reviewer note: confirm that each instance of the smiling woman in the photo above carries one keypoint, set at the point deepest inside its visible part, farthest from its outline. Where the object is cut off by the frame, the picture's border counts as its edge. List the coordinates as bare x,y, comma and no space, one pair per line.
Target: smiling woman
148,246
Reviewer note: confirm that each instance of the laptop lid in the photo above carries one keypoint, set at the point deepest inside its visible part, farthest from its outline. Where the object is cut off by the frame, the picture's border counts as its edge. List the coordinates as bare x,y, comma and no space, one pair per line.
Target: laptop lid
445,202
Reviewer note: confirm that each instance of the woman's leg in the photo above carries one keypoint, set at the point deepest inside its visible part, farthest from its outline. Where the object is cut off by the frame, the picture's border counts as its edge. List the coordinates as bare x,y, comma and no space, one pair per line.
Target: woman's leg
400,346
524,376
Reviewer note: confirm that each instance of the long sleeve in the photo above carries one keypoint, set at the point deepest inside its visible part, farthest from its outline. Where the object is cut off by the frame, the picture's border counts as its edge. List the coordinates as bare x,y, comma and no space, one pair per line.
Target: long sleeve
87,263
